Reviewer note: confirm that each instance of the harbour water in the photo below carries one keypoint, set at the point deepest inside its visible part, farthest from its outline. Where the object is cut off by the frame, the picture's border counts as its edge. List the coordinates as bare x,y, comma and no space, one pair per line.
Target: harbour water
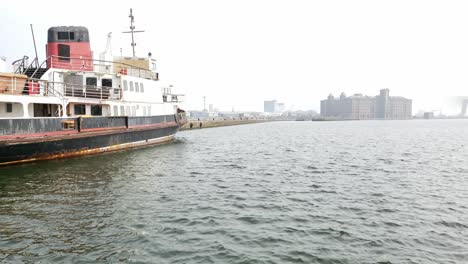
280,192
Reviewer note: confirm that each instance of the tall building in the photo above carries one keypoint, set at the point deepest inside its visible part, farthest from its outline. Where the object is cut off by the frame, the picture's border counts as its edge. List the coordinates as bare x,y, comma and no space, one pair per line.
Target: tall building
273,107
358,107
269,106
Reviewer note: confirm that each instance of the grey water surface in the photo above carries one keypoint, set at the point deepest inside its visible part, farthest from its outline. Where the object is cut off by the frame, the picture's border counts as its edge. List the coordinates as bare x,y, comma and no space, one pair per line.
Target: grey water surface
280,192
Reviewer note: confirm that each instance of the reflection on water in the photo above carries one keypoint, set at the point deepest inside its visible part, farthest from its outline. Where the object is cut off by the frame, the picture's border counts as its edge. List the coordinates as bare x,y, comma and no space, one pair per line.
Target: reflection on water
324,192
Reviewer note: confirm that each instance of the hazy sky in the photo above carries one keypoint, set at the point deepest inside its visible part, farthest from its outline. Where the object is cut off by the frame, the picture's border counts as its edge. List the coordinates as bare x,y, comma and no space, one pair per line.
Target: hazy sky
239,53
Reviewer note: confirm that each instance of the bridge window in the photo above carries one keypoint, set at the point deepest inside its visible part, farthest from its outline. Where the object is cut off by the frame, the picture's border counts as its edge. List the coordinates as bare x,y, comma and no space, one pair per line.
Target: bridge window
65,35
125,85
137,87
64,52
142,89
131,86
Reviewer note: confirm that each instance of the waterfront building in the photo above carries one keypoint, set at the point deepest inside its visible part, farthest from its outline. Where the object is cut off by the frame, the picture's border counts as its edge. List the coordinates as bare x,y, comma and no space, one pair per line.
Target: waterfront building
269,106
273,107
464,107
361,107
428,115
280,107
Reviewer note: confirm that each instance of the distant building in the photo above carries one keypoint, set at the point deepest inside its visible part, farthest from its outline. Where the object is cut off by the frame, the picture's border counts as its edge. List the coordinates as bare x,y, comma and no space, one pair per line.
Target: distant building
269,106
464,107
428,115
358,107
280,107
273,107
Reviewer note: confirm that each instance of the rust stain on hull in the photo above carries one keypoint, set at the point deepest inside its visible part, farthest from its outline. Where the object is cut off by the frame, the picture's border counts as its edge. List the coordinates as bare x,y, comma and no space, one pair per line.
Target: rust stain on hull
86,152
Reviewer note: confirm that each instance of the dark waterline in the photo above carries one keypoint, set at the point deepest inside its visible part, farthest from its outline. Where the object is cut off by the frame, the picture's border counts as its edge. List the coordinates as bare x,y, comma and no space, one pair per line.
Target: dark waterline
283,192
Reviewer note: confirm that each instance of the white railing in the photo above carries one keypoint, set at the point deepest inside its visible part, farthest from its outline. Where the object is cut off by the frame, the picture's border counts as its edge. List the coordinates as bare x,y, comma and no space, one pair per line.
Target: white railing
173,98
86,91
13,84
168,96
111,67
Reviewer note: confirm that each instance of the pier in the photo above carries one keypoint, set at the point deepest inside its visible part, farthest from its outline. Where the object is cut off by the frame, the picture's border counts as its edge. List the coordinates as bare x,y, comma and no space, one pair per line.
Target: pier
195,124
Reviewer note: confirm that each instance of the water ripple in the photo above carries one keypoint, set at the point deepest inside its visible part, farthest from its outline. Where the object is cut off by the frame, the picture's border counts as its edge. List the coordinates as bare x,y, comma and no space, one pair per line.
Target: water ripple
286,192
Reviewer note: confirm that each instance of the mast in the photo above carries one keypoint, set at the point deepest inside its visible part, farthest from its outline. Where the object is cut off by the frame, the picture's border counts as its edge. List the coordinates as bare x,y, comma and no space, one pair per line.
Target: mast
132,30
35,49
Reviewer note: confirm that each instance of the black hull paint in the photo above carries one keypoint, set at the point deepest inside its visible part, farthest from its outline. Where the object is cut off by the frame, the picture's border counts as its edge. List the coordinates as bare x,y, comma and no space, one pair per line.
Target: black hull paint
79,146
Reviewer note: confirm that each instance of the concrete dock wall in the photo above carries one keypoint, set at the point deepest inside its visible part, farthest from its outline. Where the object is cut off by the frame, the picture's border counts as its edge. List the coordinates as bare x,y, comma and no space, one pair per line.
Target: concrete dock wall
218,123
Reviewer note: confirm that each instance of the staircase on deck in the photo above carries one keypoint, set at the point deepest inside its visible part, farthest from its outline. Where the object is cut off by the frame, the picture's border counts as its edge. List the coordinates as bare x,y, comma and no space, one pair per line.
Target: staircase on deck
35,73
33,70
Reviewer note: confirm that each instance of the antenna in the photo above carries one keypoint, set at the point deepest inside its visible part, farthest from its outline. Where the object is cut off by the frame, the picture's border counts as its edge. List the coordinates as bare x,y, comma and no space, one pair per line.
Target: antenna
132,30
35,49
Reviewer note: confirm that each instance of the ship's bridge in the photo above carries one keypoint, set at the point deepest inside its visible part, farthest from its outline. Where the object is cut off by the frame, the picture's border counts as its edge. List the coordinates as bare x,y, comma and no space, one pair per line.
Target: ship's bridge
135,66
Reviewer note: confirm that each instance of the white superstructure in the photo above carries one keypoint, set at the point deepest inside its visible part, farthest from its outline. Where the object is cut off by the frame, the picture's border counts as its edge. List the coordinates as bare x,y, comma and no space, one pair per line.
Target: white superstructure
70,83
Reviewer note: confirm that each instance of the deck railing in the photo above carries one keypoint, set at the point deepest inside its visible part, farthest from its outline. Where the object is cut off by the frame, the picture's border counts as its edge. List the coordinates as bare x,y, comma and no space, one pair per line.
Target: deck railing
13,84
110,67
86,91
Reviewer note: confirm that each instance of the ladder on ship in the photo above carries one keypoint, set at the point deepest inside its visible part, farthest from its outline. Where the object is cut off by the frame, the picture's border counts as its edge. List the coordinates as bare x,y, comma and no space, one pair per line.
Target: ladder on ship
33,70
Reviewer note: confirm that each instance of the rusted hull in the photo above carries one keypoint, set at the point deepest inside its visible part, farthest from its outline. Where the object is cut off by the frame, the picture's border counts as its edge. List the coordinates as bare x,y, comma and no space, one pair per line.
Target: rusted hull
82,144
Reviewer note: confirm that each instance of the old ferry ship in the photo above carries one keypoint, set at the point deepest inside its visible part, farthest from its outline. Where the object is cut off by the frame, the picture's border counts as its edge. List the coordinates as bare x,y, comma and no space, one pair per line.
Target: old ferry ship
71,104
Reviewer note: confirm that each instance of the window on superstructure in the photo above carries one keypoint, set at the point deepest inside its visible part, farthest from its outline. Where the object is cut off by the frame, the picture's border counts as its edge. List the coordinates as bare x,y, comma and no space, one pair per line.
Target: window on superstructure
96,110
131,86
116,110
62,35
133,110
122,110
9,108
91,81
106,82
64,52
125,85
144,110
80,109
137,87
149,110
142,89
